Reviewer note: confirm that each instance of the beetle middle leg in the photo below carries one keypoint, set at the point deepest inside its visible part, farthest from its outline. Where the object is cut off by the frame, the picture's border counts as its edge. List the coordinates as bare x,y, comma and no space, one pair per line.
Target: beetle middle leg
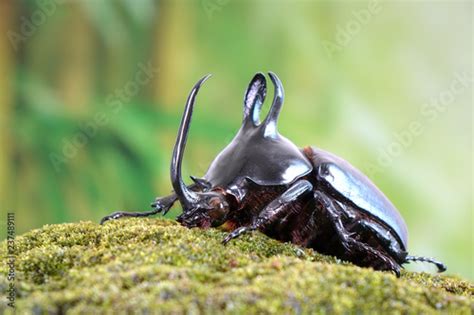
350,244
274,210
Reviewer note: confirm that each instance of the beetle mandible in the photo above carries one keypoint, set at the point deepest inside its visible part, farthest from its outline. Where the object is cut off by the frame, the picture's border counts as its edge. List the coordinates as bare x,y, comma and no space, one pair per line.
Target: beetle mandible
310,197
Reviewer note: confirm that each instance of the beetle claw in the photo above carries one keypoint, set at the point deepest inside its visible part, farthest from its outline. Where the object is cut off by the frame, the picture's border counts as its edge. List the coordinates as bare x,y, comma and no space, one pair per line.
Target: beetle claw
113,216
236,233
226,239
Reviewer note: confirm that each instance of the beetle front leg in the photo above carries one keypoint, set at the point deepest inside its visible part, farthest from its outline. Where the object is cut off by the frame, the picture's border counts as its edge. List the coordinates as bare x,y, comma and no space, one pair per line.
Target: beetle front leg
274,210
162,204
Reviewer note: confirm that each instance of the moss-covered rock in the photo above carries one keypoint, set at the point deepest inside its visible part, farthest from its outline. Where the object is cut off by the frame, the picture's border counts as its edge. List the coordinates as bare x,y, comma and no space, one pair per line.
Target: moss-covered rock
150,266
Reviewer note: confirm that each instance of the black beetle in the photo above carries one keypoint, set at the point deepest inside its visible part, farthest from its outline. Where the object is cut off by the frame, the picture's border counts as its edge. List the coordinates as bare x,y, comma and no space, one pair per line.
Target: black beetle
310,197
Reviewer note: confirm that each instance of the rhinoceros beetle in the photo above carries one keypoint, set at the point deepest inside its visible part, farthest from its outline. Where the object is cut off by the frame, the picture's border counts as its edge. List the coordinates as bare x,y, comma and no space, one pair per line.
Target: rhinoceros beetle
310,197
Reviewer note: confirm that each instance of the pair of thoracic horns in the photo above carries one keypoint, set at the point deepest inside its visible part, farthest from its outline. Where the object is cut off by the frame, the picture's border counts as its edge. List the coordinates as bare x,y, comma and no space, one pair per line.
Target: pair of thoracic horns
254,98
253,101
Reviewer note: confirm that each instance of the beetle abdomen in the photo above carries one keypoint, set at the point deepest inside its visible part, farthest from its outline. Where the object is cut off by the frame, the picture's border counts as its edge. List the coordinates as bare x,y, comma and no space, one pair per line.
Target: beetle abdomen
343,179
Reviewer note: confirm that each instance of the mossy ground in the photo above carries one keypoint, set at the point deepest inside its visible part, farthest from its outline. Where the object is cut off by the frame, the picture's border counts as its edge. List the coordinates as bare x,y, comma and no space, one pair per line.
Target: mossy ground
150,266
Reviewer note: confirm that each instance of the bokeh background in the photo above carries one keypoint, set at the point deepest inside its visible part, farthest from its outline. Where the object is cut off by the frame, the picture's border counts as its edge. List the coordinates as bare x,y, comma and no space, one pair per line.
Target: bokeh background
91,94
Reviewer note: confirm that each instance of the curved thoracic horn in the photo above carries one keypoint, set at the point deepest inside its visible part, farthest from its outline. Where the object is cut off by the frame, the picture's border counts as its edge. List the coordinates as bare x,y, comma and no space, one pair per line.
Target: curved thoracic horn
185,195
270,122
254,98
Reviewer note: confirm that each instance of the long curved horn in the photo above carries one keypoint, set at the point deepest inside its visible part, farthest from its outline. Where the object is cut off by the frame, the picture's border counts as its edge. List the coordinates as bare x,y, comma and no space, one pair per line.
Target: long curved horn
270,122
254,98
185,195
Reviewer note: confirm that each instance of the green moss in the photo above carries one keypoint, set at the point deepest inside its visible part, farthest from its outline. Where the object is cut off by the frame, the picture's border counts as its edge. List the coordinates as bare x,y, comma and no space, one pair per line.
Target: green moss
146,265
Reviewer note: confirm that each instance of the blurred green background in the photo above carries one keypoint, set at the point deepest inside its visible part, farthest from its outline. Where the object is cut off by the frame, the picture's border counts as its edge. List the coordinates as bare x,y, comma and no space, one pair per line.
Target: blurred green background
91,94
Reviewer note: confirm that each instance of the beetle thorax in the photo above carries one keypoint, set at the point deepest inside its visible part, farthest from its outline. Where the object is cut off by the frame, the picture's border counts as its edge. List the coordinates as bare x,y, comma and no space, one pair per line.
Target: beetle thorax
265,159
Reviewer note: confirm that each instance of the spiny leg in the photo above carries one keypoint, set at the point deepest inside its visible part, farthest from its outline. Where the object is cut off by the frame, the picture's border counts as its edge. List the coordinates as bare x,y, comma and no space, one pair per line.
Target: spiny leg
350,244
161,204
274,210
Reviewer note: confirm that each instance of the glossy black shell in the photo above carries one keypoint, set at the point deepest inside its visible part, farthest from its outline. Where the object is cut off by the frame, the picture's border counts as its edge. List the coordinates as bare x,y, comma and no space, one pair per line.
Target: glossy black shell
259,153
266,160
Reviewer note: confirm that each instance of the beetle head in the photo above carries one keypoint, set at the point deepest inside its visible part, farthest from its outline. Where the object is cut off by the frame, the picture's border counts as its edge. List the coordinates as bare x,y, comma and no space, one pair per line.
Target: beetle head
201,209
210,210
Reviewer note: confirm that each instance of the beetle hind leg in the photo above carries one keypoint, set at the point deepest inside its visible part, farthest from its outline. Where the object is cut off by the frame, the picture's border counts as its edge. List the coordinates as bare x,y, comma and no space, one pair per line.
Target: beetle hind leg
354,248
441,267
389,243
